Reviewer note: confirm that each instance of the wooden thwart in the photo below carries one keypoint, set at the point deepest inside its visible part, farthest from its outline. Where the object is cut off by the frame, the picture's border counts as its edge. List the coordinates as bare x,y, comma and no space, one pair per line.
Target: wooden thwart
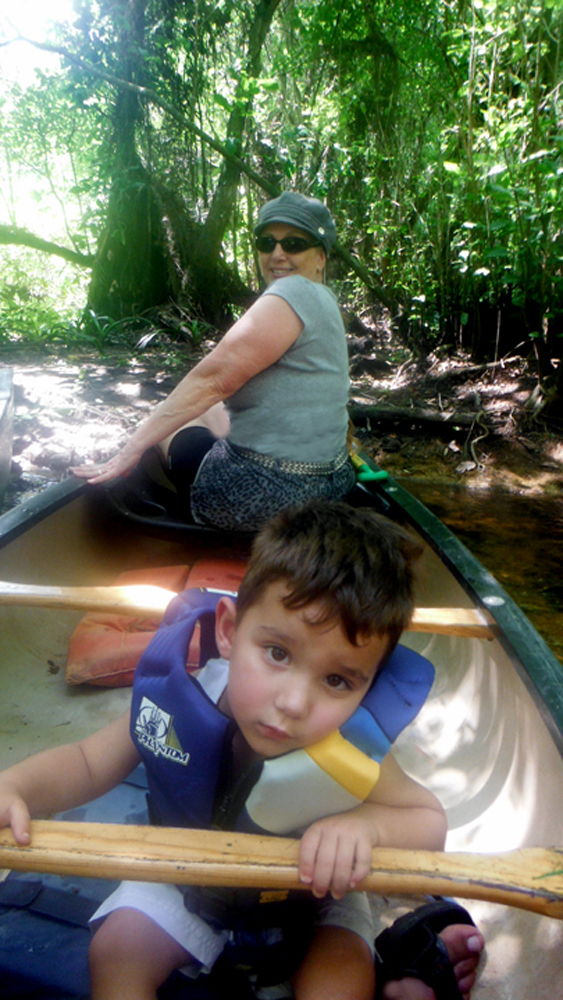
468,622
146,600
530,879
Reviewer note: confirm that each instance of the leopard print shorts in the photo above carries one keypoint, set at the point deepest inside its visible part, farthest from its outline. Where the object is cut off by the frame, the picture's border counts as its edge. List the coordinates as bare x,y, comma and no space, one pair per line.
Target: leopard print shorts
234,492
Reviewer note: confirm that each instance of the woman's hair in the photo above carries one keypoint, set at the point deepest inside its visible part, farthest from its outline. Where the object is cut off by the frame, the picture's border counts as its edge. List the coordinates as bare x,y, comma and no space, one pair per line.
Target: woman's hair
355,563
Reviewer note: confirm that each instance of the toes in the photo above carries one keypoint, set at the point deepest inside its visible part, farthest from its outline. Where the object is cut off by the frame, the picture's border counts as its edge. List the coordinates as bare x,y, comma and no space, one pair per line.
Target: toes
407,989
464,945
462,942
466,981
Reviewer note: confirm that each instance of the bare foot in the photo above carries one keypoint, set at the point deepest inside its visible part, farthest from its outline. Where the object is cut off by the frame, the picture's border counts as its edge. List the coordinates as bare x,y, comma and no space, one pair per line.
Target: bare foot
464,945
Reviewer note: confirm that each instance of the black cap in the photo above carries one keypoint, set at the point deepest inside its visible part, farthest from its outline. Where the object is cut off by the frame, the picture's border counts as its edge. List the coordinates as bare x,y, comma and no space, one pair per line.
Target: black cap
305,213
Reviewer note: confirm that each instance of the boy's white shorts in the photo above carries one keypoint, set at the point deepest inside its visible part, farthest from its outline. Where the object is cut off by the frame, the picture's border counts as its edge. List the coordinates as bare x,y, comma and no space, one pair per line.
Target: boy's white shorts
164,904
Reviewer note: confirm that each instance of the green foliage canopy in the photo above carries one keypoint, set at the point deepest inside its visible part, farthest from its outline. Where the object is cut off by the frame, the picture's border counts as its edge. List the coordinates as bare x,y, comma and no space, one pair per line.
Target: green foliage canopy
431,128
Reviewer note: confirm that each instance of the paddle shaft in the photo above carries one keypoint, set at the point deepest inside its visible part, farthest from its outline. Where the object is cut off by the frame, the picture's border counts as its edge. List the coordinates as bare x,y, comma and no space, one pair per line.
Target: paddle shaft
530,879
143,600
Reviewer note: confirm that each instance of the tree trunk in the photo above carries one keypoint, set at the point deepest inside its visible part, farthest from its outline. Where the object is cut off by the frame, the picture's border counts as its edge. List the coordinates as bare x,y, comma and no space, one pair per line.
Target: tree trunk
210,291
136,266
132,269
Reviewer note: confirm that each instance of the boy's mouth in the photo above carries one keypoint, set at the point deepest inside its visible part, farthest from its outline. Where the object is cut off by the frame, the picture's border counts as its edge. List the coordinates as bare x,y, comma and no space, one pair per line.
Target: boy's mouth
273,733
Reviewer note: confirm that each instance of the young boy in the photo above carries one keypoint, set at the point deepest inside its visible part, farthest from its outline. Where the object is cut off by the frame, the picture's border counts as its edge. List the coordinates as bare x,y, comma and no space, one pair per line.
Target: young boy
327,594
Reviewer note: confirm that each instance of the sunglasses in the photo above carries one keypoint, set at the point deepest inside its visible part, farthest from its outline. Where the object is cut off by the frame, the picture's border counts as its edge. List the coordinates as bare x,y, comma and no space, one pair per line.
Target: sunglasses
289,244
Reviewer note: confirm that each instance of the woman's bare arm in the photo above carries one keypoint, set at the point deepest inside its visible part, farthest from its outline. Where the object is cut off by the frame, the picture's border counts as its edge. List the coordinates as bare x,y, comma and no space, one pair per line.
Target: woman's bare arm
256,341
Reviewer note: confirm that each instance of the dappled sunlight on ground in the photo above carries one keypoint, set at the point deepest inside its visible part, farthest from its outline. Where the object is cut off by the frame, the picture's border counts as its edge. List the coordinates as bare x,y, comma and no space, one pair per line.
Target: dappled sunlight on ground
72,413
495,439
555,451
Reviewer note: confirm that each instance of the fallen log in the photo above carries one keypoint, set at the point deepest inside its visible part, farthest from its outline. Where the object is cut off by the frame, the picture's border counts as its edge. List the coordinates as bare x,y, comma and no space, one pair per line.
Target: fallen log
360,413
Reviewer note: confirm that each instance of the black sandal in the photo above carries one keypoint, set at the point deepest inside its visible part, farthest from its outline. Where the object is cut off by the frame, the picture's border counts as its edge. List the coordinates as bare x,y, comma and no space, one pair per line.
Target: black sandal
411,947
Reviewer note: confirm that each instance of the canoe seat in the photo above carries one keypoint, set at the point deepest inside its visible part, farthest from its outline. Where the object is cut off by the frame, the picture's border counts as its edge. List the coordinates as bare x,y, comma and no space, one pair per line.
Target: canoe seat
105,648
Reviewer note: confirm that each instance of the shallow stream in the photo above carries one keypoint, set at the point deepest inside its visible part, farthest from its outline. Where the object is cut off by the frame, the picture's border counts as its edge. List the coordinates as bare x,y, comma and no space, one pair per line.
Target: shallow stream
518,538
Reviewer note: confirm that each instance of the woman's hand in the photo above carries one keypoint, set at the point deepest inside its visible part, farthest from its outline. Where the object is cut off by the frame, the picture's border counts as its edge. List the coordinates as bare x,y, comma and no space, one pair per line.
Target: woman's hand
120,465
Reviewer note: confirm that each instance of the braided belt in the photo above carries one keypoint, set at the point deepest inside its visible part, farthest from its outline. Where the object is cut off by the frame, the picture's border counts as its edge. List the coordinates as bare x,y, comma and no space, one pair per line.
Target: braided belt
294,468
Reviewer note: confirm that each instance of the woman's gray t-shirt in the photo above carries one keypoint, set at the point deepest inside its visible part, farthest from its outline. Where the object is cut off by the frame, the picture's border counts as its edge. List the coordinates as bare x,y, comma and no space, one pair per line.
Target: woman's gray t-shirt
296,408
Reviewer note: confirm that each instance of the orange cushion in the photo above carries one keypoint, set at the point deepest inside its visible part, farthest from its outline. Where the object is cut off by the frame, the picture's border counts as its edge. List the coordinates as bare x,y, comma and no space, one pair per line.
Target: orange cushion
104,649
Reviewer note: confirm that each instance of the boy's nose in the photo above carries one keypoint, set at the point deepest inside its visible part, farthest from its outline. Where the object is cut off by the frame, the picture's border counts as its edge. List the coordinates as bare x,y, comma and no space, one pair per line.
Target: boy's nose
293,699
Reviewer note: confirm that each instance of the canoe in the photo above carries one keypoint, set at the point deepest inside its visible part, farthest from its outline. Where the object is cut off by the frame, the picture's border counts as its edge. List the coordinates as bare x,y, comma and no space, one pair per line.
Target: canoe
488,742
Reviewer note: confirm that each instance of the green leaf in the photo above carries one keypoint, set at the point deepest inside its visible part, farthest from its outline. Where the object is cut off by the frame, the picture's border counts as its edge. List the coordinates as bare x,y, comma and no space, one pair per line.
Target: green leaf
221,101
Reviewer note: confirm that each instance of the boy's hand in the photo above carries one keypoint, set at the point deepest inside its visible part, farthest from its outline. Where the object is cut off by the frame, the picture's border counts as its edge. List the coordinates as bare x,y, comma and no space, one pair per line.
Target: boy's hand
336,853
15,814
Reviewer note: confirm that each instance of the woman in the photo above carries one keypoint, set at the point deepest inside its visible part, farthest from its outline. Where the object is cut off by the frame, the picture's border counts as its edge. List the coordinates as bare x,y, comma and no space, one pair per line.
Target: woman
261,421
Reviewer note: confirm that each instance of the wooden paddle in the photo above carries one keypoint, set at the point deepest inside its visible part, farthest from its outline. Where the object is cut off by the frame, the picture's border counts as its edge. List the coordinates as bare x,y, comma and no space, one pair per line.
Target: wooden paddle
530,879
145,600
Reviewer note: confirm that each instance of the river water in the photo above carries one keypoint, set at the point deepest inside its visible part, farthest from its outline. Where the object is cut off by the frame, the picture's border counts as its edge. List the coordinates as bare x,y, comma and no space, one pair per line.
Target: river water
518,538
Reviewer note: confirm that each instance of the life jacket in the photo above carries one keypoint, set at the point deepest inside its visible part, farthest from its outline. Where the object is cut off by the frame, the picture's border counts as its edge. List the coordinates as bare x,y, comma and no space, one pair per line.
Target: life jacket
185,740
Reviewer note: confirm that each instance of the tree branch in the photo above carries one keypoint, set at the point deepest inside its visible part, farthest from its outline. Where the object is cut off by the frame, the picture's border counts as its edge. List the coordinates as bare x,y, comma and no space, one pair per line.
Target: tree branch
22,237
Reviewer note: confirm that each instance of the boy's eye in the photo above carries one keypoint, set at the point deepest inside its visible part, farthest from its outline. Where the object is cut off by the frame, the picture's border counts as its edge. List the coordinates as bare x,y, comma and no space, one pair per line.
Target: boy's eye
338,683
277,654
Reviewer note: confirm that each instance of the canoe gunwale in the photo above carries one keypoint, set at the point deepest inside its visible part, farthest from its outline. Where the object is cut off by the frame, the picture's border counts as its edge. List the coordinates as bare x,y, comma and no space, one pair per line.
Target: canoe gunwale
25,515
538,668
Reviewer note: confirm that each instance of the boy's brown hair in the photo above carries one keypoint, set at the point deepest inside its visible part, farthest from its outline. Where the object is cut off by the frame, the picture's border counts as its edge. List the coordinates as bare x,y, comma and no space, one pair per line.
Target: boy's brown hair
357,564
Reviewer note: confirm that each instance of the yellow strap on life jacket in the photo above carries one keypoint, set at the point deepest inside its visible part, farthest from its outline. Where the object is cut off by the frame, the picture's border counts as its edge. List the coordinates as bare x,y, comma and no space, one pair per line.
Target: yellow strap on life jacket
351,768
